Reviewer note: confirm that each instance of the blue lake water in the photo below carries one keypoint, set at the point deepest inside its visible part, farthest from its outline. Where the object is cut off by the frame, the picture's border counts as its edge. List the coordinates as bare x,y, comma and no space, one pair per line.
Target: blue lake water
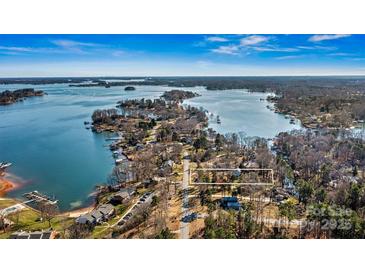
243,111
52,152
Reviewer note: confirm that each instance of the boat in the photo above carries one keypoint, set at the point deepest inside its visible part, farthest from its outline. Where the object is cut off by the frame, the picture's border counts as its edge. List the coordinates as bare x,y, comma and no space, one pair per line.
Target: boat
4,165
218,120
117,153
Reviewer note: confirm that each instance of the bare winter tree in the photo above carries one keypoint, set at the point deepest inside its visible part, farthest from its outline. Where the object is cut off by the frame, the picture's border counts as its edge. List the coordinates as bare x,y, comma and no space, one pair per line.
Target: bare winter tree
2,222
78,231
48,211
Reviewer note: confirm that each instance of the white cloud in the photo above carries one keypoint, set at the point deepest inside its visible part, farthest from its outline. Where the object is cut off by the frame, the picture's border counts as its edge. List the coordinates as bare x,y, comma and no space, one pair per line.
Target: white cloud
253,40
64,46
216,39
71,43
275,49
288,57
74,46
324,37
341,54
16,49
25,50
231,50
249,42
316,47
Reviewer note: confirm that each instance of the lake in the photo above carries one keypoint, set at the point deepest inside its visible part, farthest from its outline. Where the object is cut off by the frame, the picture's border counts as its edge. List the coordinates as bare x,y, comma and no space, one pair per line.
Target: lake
239,110
52,151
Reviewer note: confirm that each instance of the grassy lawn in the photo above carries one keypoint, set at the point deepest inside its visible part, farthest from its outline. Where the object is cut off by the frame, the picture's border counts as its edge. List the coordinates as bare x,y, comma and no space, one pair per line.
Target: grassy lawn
30,220
6,203
101,231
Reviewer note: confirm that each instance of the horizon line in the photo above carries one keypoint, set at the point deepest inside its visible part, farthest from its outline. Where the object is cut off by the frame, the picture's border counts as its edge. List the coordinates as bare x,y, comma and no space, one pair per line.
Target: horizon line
192,76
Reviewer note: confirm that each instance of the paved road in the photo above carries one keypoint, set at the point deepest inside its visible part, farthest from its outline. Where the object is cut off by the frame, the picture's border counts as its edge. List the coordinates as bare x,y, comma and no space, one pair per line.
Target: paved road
134,207
121,218
125,213
184,227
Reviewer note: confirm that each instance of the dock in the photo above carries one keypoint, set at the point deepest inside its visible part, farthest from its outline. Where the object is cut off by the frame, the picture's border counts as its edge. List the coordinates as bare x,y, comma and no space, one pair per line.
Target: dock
114,138
35,196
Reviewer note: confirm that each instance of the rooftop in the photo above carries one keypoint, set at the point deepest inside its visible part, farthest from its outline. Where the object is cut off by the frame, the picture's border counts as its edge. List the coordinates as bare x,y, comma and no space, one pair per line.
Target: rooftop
44,234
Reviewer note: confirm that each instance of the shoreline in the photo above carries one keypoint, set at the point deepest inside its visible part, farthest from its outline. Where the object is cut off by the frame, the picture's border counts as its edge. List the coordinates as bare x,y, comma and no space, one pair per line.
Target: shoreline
9,182
313,125
6,185
74,213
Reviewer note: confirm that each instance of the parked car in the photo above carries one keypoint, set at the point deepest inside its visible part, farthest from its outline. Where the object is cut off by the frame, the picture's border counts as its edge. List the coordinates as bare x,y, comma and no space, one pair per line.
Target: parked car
189,218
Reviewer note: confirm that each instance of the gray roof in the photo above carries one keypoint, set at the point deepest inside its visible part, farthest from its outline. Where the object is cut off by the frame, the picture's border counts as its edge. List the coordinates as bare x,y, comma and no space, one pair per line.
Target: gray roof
15,235
23,236
96,214
106,209
46,235
125,191
122,195
35,235
168,163
31,235
83,219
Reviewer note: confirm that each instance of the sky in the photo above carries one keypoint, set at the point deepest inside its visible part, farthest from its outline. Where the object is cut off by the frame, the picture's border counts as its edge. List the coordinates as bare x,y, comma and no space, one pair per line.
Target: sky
181,55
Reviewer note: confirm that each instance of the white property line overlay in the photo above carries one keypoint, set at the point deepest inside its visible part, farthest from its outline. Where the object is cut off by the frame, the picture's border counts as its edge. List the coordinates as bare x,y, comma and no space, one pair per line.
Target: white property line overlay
234,169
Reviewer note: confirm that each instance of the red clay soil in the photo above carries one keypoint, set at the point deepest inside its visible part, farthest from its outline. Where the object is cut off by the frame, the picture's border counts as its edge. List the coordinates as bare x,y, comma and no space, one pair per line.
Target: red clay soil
5,186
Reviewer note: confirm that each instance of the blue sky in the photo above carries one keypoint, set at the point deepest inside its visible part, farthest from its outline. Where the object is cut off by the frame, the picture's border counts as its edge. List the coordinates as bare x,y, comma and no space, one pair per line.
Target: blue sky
181,55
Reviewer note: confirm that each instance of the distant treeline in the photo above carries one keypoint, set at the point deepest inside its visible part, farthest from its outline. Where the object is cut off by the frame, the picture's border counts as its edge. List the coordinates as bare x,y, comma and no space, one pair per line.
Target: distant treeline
212,83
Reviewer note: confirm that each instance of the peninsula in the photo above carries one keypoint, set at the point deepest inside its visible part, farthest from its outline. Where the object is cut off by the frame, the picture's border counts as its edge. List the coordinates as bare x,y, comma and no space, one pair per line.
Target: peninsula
10,97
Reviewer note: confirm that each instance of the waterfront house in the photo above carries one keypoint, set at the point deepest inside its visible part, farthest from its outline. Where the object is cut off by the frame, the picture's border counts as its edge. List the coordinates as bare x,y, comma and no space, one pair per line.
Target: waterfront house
122,196
98,216
101,214
107,210
86,219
